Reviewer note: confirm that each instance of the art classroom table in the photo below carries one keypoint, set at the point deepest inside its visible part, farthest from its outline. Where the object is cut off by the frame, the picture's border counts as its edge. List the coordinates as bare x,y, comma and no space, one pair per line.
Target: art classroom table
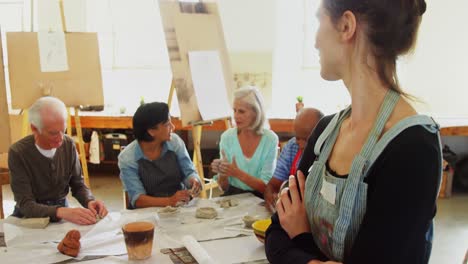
223,238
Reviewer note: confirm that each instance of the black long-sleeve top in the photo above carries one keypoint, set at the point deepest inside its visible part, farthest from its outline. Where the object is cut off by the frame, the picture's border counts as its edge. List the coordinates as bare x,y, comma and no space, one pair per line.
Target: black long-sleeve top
401,203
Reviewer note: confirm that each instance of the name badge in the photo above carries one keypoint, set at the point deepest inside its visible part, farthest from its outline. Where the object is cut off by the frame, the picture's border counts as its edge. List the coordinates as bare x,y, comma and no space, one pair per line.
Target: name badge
328,191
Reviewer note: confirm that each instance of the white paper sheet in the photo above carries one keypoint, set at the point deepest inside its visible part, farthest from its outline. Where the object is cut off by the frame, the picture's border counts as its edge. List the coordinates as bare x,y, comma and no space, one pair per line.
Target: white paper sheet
104,244
106,238
197,251
36,254
171,228
52,51
11,232
35,223
209,84
156,257
48,15
235,250
75,15
39,245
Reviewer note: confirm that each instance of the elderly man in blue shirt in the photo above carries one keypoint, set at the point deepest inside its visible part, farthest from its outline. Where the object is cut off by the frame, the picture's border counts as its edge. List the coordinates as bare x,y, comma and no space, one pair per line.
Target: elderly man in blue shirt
290,156
155,168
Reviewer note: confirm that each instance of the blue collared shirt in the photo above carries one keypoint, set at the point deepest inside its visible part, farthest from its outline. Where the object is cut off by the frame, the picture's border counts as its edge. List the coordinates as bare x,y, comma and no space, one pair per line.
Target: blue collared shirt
286,159
128,165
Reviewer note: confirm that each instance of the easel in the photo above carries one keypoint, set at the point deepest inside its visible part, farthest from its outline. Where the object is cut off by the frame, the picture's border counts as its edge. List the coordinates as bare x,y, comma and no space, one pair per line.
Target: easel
197,129
46,91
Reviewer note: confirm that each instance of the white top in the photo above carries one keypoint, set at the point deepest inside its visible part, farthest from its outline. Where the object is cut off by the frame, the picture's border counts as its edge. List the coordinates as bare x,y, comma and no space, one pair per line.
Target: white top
49,153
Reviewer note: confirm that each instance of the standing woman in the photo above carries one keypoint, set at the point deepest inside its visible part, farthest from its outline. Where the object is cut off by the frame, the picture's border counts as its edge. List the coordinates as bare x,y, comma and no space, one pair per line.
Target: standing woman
248,151
370,194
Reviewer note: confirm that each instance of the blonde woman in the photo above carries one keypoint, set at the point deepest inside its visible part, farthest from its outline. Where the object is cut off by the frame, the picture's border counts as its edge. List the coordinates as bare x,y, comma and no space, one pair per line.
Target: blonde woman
247,151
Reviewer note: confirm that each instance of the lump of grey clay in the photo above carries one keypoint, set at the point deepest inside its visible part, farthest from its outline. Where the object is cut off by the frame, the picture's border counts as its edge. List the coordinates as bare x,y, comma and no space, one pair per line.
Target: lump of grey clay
98,218
206,213
34,223
226,203
248,220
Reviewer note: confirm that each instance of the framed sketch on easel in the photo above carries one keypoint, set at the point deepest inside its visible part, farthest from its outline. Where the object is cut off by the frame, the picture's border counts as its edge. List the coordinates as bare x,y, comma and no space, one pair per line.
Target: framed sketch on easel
199,61
79,82
201,71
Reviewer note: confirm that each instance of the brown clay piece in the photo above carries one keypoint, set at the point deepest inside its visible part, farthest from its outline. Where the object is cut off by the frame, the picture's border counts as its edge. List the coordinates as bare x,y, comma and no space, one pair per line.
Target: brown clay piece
70,244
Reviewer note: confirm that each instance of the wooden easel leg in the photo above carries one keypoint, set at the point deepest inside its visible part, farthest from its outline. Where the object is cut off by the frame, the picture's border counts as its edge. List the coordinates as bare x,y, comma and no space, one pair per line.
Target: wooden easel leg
84,164
171,95
1,203
69,124
197,158
227,123
26,126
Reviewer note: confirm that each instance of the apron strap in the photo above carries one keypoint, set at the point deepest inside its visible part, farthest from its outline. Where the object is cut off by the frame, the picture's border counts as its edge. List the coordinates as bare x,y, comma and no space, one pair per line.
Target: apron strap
391,99
329,130
359,163
422,120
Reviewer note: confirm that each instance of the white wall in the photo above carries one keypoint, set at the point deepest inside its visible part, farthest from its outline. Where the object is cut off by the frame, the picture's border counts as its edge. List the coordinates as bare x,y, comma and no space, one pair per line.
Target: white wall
290,77
437,73
248,24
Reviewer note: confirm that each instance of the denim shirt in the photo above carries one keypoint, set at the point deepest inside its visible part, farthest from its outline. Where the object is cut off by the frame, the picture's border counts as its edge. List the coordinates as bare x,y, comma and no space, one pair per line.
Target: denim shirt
128,165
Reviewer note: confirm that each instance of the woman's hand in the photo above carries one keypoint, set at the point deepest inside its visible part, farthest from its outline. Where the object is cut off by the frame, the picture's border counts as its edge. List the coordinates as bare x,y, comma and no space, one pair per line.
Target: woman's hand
195,187
229,168
179,198
215,165
291,209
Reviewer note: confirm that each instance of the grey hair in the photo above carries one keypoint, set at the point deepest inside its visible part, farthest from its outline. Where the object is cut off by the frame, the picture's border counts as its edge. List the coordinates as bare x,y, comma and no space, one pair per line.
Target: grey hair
55,105
252,96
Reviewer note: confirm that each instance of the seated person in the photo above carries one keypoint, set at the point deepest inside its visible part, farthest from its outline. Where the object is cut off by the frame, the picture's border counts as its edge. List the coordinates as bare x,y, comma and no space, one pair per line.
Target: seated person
290,156
45,165
249,150
155,168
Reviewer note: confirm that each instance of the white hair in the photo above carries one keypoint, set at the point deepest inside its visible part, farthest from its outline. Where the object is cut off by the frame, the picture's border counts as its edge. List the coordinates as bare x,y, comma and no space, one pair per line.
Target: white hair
252,96
52,104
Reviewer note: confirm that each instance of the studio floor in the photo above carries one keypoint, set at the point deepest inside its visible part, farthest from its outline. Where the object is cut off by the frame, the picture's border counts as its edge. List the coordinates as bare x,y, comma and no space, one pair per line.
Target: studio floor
451,225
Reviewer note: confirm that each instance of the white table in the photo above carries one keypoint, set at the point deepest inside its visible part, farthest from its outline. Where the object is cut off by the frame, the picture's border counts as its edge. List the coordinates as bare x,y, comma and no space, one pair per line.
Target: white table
220,237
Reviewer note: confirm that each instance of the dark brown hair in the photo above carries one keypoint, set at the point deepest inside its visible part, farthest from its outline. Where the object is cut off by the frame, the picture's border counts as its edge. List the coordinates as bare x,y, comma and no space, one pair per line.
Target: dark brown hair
148,116
391,28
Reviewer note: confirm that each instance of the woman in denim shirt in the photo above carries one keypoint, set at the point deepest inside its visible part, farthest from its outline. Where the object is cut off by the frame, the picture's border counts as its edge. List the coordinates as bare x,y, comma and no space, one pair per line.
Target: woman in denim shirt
155,168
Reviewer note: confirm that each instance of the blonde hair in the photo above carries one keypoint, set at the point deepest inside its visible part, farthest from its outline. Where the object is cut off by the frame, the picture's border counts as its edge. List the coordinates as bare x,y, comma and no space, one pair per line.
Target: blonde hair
252,96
